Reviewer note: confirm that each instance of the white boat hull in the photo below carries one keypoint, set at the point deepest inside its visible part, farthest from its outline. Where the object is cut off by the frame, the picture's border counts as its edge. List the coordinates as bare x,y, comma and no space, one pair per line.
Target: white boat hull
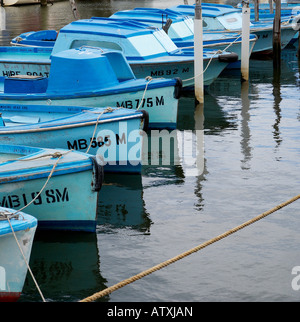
13,266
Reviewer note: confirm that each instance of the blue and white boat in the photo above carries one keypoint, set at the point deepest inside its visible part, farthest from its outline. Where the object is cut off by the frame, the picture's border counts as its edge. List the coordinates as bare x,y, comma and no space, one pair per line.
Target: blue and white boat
149,52
181,30
58,187
89,77
286,6
13,266
290,11
227,19
113,135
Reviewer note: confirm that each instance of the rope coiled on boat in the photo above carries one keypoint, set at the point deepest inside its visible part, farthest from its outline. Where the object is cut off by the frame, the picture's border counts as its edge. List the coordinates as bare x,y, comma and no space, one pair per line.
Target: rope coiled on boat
7,215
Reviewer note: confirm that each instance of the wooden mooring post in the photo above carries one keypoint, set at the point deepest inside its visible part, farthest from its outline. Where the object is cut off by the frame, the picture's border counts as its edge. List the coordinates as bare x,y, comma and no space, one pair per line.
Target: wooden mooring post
298,51
2,19
198,53
245,41
74,9
256,9
277,35
271,6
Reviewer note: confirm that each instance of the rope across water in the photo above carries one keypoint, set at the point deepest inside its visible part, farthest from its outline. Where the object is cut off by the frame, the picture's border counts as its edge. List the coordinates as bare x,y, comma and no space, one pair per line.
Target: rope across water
115,287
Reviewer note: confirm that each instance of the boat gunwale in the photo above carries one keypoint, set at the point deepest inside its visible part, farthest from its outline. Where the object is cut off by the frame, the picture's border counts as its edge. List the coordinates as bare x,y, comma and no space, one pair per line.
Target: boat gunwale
25,222
123,87
40,173
38,127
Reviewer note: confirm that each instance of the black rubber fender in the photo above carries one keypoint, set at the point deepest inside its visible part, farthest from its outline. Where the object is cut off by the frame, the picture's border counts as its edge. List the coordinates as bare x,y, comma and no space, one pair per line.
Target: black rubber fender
98,175
228,58
178,88
145,120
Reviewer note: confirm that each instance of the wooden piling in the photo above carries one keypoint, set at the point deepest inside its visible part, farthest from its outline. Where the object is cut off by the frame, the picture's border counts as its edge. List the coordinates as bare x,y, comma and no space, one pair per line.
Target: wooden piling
245,42
256,9
74,9
2,18
298,51
271,6
198,53
277,35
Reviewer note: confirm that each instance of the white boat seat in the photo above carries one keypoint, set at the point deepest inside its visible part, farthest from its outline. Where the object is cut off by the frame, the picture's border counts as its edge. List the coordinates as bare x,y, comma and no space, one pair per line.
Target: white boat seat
20,119
25,76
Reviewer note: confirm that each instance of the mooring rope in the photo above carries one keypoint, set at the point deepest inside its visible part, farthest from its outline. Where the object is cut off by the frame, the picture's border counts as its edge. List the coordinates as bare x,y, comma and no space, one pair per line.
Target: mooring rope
110,109
57,155
54,155
149,79
209,62
219,51
5,213
107,110
187,253
46,155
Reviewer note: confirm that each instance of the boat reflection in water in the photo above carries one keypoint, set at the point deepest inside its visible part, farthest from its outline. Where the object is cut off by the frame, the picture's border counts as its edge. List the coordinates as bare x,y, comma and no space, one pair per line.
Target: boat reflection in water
66,267
169,157
121,204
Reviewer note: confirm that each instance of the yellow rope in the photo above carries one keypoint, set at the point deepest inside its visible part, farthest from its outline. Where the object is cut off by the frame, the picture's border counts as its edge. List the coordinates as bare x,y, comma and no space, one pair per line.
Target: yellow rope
210,60
55,155
193,250
107,110
110,110
149,79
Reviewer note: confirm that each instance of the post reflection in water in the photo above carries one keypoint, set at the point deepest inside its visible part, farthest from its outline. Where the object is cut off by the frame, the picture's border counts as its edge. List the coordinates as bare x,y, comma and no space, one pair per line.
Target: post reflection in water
277,108
245,129
180,151
200,165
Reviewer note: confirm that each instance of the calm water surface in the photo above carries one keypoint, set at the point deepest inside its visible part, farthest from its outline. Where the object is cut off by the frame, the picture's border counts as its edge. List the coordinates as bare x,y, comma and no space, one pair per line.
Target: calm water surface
248,147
